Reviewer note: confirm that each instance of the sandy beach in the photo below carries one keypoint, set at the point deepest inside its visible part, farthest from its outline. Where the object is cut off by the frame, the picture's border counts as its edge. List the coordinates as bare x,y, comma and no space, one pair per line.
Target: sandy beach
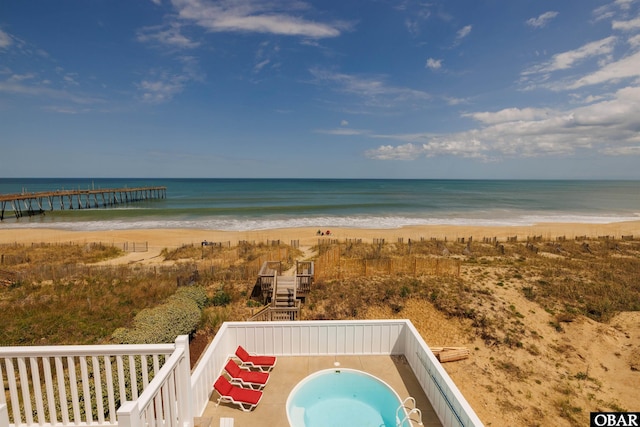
307,236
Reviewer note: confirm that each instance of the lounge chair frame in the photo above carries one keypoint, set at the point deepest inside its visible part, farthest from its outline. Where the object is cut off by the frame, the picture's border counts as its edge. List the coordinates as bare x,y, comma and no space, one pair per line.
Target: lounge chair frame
227,398
251,360
237,376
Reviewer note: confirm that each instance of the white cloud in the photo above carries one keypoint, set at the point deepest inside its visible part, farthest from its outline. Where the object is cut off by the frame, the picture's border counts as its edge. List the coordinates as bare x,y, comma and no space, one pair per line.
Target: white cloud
450,100
266,54
631,25
434,64
634,41
374,90
509,115
260,65
65,109
566,60
466,146
5,40
624,4
344,123
161,90
417,14
623,151
255,16
21,77
463,32
609,126
163,85
628,67
343,132
603,12
71,79
610,10
601,60
541,20
407,151
166,35
413,26
17,86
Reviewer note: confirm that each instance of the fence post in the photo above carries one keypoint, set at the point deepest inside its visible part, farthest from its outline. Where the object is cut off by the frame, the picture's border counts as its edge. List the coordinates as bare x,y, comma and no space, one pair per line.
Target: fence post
184,383
4,415
128,415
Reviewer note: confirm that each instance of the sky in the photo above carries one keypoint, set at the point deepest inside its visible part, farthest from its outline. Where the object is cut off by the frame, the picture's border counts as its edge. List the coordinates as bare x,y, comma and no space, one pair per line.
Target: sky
435,89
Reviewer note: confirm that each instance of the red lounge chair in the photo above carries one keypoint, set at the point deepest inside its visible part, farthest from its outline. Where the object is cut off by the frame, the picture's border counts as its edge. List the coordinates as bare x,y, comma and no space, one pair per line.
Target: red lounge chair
245,398
263,363
252,379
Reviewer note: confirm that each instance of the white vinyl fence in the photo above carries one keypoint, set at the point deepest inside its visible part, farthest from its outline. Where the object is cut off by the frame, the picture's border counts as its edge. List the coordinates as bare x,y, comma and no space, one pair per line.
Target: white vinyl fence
77,385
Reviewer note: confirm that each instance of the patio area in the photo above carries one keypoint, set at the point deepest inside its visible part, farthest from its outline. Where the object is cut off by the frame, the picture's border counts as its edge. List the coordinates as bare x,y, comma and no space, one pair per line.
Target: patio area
393,369
56,385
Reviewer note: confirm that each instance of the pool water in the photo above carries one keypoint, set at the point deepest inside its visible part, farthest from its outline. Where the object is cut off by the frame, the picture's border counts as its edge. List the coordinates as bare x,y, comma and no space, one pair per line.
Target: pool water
343,397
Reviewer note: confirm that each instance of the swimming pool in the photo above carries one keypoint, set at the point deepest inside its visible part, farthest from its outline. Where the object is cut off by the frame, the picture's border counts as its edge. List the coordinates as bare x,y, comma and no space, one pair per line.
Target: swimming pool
343,397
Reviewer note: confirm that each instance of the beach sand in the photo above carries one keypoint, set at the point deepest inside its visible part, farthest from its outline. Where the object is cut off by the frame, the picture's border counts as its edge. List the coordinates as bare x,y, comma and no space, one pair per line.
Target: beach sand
172,238
553,378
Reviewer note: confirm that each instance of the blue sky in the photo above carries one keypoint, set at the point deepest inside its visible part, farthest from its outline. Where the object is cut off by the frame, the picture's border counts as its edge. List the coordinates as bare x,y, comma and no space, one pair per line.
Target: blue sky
344,89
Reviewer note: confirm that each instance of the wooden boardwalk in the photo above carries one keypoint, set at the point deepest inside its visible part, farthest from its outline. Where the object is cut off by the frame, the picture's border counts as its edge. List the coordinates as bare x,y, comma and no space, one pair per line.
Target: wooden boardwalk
282,294
29,204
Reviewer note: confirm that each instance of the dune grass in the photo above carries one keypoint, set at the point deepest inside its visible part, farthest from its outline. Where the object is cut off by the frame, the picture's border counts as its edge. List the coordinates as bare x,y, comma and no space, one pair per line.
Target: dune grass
52,294
60,298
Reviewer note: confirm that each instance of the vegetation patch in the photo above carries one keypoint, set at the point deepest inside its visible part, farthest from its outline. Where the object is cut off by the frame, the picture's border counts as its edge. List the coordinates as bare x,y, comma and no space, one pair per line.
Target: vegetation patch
180,315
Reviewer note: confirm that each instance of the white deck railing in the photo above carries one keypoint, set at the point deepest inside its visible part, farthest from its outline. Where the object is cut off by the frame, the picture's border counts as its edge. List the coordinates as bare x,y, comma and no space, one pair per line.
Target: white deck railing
166,402
160,391
75,385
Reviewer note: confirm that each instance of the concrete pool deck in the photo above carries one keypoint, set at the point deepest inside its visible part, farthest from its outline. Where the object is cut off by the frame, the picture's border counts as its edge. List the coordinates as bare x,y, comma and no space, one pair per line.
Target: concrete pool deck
290,370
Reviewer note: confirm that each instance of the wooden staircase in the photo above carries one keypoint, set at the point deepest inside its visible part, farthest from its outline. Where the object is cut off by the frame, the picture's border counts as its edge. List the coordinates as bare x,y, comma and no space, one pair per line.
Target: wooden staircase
283,293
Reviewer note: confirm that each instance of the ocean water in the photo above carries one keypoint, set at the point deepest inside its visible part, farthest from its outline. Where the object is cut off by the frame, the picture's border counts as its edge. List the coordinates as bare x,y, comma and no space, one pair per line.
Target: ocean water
256,204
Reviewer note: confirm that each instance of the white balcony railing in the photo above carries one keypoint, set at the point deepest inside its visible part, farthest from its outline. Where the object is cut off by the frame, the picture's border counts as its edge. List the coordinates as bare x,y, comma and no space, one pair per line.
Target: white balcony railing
80,385
166,402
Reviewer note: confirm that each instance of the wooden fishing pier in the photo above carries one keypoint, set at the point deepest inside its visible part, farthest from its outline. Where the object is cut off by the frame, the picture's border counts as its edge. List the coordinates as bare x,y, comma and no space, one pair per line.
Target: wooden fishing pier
30,204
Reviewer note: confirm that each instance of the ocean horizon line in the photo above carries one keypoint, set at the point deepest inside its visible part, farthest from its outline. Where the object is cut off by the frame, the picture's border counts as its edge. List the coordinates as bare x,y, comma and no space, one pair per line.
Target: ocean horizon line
156,178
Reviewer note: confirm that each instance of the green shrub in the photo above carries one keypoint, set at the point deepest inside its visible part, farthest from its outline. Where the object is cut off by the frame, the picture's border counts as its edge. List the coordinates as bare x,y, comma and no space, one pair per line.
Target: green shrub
195,293
221,298
180,315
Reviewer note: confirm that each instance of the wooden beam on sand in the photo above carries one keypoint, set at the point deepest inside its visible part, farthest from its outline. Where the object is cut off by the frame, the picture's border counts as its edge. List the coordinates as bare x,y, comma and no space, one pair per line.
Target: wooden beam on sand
450,354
